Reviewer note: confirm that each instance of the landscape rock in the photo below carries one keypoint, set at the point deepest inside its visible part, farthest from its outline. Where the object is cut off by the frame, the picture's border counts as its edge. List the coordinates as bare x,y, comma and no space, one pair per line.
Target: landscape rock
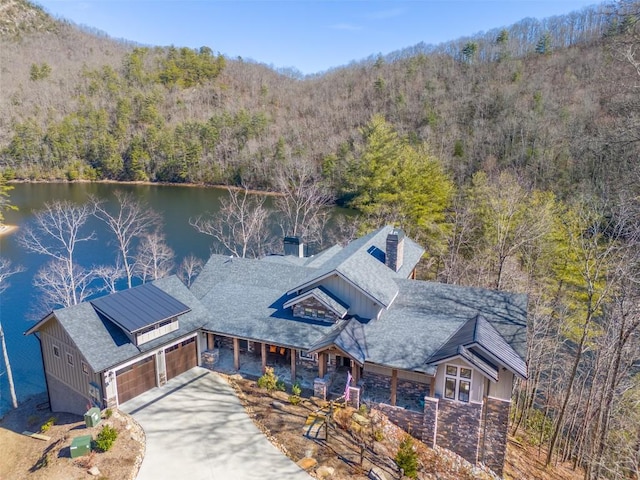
278,405
94,471
325,471
360,420
376,473
307,463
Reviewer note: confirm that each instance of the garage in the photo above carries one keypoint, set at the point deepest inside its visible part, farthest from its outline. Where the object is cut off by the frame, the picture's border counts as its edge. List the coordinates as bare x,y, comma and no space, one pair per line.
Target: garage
136,379
181,357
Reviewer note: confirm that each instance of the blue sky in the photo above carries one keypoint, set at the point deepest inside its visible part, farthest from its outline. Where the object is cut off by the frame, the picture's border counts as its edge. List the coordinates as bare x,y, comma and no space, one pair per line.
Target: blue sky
308,35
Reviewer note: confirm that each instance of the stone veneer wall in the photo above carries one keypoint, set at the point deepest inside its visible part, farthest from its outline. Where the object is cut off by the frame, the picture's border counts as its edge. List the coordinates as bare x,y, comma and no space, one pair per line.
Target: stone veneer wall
459,428
411,422
404,388
493,441
298,309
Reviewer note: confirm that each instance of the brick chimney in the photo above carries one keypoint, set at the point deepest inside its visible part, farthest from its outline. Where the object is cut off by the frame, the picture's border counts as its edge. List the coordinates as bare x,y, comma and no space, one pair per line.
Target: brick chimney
395,249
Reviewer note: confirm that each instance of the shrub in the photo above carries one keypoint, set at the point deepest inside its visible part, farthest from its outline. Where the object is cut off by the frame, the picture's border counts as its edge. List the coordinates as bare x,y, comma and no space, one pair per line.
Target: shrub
280,386
107,413
294,399
363,410
407,457
106,438
378,435
296,390
47,425
269,380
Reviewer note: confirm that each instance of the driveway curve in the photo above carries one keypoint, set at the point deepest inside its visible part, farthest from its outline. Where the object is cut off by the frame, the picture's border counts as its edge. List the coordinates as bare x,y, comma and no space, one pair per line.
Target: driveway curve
197,429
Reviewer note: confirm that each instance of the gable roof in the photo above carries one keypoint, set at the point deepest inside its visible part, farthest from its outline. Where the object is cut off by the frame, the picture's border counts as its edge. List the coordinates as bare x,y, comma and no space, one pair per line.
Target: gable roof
426,315
360,264
103,344
478,333
245,298
349,337
139,307
323,296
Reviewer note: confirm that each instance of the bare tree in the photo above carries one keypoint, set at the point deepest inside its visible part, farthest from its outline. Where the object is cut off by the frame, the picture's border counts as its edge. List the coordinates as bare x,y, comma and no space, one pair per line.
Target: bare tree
61,287
303,207
130,223
240,225
155,257
6,270
110,274
189,269
57,233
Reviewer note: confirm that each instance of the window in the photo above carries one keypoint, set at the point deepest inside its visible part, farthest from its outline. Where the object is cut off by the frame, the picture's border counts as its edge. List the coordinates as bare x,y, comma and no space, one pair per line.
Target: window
56,351
69,359
309,312
85,368
457,383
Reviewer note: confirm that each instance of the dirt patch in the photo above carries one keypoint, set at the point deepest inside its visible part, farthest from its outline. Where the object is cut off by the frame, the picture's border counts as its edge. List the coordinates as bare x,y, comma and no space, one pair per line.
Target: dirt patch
24,457
348,457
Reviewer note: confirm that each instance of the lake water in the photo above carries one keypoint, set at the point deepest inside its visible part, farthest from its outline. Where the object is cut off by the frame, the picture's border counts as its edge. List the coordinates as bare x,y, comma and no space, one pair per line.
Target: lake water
19,306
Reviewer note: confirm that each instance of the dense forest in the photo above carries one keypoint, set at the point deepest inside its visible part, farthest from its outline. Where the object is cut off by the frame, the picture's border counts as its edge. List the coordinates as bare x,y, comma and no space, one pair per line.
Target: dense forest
511,155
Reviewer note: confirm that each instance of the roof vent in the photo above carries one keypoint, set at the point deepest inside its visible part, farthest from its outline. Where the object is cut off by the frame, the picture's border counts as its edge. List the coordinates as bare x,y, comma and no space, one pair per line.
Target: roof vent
395,249
293,246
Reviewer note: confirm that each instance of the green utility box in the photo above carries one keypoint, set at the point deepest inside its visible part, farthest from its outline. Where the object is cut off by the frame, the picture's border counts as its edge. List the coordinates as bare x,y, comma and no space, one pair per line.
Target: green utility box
92,417
80,446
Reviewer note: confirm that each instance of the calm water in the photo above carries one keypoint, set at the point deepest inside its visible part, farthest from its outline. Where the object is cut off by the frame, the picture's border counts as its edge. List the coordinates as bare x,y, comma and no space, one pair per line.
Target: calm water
19,304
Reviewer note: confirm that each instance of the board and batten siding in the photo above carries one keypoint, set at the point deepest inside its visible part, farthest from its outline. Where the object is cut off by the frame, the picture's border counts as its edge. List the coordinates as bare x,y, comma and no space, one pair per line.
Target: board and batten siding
72,376
359,303
501,389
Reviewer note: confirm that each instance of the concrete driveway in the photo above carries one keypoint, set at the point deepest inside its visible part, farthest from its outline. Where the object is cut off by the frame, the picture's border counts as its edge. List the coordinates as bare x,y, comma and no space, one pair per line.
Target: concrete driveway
197,429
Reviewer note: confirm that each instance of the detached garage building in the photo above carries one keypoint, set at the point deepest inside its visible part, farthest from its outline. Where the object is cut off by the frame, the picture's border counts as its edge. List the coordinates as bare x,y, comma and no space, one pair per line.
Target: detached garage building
107,351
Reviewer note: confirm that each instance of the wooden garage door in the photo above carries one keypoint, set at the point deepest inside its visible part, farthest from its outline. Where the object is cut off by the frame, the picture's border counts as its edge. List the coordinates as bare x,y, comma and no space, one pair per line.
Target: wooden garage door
181,357
136,379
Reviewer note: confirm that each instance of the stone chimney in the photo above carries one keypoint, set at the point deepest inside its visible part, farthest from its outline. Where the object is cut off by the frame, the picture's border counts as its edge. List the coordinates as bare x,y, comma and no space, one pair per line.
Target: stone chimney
395,249
293,246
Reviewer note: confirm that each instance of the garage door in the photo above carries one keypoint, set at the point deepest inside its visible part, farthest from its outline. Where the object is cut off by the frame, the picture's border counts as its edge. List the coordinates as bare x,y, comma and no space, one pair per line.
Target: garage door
181,357
136,379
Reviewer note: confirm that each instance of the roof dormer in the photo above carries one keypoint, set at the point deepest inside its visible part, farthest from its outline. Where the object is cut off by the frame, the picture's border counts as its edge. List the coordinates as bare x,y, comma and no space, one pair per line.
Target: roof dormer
143,313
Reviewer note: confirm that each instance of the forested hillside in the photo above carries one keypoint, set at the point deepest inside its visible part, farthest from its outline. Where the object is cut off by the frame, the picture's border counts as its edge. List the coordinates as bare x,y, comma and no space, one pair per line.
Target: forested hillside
512,156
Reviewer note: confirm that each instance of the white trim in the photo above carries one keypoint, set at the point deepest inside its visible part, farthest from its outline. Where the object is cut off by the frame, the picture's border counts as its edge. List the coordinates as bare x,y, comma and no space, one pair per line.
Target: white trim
499,399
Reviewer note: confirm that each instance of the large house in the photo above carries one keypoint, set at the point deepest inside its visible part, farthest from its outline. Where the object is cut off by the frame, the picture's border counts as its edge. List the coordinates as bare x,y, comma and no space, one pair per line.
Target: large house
439,359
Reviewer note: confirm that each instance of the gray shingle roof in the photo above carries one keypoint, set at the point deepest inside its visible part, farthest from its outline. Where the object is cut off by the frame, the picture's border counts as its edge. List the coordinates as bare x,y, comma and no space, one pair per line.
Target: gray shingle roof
323,296
478,333
426,315
104,344
359,264
246,297
348,337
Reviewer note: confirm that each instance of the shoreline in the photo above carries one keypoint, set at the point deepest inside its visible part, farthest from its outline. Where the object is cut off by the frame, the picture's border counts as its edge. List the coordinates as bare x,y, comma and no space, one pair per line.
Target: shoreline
150,183
7,229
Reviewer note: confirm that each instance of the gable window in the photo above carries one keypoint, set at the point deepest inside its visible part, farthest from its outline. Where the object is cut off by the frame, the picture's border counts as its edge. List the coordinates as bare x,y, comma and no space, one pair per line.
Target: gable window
69,359
56,351
309,312
457,383
85,368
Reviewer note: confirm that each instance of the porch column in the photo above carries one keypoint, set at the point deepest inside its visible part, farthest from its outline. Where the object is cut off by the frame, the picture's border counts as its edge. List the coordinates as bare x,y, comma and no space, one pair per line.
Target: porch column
210,341
394,386
294,353
236,353
322,364
432,387
355,372
263,356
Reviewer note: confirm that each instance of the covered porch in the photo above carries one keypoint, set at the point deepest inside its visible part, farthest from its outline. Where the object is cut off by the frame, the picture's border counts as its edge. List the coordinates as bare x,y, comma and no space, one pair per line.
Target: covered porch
250,358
